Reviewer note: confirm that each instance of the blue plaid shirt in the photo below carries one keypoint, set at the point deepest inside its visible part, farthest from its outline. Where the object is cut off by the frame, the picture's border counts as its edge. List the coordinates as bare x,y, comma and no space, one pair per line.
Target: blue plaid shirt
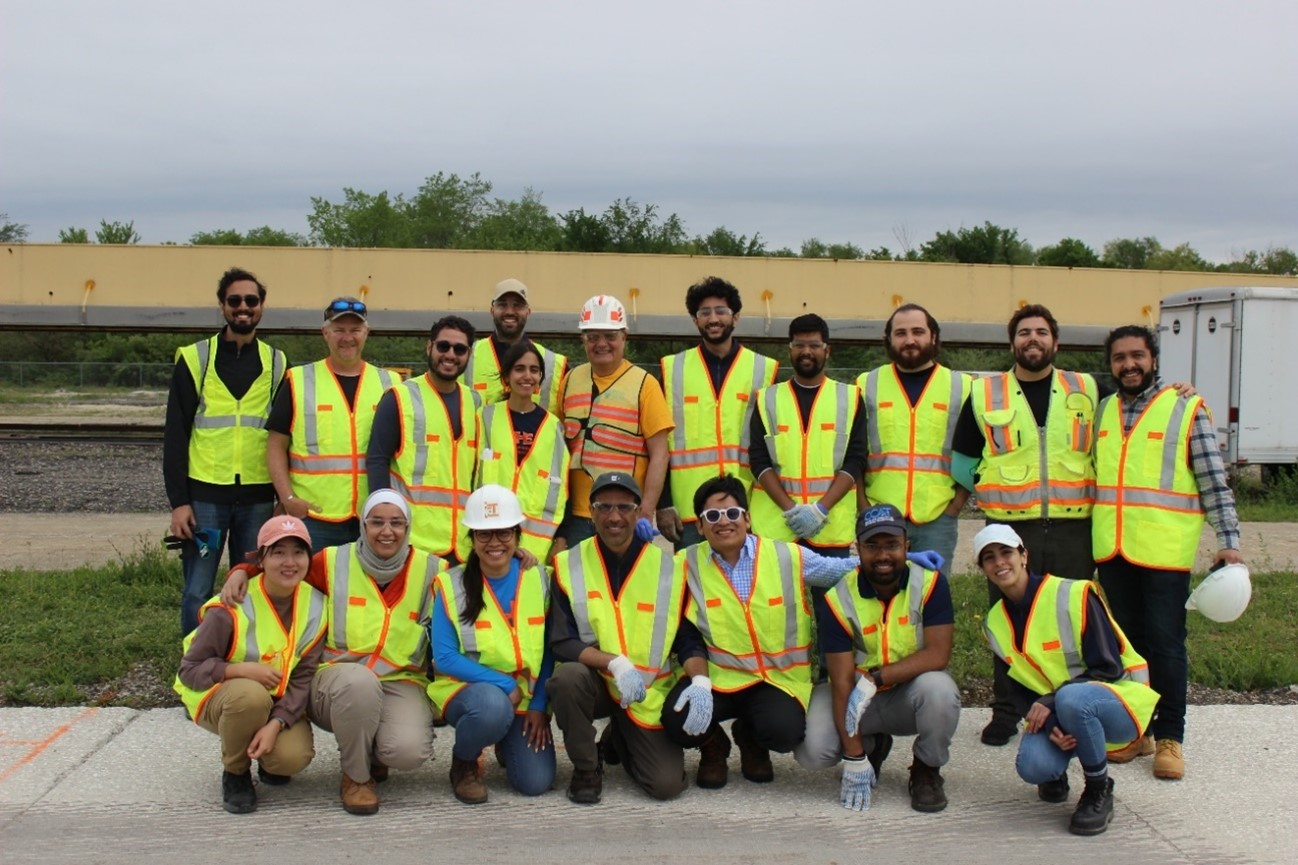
817,570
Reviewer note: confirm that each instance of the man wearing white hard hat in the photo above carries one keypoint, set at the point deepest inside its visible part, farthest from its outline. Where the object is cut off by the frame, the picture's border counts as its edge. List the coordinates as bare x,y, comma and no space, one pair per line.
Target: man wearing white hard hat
509,314
615,419
1158,473
1081,687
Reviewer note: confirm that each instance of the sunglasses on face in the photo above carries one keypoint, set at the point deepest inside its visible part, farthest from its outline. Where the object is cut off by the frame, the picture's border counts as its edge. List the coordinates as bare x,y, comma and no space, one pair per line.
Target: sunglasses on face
338,306
234,301
713,515
445,345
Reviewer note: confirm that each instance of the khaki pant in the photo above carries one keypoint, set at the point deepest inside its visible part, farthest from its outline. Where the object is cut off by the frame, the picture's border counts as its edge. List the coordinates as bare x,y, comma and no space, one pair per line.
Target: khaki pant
236,711
391,722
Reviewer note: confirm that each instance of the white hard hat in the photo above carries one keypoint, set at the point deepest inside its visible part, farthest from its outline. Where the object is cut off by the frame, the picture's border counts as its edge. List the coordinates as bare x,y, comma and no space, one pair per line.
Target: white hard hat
1223,595
602,312
492,507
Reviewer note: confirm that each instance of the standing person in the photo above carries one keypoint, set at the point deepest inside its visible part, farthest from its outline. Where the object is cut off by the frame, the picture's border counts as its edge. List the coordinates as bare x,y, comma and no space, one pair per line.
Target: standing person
613,626
615,419
491,653
1081,686
320,429
887,638
521,447
485,371
807,448
911,408
246,677
424,442
1159,471
712,390
214,447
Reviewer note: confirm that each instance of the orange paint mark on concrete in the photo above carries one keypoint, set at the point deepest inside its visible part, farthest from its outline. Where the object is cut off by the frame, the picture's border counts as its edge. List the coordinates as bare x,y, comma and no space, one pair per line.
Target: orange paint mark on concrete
38,747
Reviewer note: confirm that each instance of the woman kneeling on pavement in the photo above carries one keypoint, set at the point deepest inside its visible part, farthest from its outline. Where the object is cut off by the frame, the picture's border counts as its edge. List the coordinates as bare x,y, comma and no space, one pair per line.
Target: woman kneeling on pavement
247,669
492,655
1074,677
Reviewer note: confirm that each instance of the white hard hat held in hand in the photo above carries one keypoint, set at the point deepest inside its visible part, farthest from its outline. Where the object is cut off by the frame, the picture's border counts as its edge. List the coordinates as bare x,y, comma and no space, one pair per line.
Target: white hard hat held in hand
1223,595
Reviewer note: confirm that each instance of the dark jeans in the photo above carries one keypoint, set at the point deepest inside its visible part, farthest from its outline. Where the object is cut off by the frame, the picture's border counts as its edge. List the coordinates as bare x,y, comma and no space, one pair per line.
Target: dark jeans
775,720
1061,548
1149,606
236,524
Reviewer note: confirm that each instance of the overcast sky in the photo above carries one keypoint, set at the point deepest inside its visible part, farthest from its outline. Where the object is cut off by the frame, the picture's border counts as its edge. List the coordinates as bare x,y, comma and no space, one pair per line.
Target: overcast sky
875,123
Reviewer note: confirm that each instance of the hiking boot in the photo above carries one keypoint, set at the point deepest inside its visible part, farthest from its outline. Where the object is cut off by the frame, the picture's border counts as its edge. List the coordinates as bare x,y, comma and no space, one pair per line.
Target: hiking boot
1168,762
1000,730
271,778
358,798
754,760
610,742
1054,792
1142,747
713,751
237,794
378,771
466,783
586,786
926,792
882,748
1094,808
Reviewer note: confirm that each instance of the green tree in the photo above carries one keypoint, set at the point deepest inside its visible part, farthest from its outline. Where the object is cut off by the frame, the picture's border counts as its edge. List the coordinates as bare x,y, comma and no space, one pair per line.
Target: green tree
814,247
882,253
984,244
264,236
1131,253
117,232
1183,257
723,241
219,237
361,220
1277,260
525,224
11,232
73,235
445,212
634,227
584,232
1069,252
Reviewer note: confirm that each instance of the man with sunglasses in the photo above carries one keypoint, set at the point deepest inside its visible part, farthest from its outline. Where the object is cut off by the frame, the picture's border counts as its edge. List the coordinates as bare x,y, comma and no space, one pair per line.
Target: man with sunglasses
214,447
509,314
320,429
423,443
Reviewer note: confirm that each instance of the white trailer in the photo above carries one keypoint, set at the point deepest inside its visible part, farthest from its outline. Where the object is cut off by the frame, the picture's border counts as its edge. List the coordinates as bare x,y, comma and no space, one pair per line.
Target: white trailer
1234,343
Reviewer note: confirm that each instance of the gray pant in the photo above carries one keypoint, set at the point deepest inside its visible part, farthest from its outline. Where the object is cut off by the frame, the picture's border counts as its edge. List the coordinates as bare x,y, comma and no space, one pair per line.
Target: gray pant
391,722
927,707
938,535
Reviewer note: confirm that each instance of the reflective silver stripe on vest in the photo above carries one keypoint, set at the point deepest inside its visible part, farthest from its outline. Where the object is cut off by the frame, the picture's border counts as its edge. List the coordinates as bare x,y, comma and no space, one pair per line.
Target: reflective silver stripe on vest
339,593
468,633
956,401
1064,622
311,424
770,398
251,649
578,599
419,437
872,417
551,512
995,646
204,421
1171,440
442,498
1148,498
840,427
915,586
662,602
678,406
998,398
760,363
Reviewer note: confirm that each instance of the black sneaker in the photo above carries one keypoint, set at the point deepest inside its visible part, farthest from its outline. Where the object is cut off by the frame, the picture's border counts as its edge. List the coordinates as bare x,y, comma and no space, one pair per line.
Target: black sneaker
999,731
1094,809
1055,791
237,794
882,748
926,793
610,745
586,786
270,777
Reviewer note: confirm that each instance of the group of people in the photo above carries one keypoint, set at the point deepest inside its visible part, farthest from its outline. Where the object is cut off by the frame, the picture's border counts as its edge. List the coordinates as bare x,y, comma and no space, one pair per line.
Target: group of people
477,545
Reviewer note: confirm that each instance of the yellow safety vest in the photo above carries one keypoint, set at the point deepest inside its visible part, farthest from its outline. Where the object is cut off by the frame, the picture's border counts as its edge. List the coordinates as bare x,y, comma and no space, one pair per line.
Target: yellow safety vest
390,640
807,460
883,632
483,374
513,644
1147,506
260,637
639,623
328,439
712,428
1051,656
1024,475
764,639
603,429
433,469
228,441
909,466
540,481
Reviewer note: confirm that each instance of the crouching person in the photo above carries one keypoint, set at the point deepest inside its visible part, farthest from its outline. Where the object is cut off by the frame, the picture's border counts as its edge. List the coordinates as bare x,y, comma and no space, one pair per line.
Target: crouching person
246,671
1081,687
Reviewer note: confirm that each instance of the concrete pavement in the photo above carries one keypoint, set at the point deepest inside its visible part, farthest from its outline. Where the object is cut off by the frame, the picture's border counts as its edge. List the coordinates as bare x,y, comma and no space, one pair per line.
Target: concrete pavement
124,786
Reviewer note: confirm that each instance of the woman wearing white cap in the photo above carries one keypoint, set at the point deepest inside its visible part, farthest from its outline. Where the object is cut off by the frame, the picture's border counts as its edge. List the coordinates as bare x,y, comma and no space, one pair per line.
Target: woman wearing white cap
492,655
246,677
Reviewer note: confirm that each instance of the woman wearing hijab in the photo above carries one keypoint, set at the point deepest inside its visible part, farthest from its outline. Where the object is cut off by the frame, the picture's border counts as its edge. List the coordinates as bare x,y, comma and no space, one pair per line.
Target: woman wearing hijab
492,654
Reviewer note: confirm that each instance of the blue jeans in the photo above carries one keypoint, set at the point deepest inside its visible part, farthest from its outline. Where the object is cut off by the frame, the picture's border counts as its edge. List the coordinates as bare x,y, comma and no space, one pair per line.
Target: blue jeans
329,534
488,719
938,536
1089,712
237,524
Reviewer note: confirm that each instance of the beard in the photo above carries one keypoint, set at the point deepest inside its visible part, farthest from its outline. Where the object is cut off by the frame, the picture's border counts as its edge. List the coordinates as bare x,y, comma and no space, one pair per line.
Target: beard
808,367
926,355
1046,359
243,328
725,334
1146,379
435,372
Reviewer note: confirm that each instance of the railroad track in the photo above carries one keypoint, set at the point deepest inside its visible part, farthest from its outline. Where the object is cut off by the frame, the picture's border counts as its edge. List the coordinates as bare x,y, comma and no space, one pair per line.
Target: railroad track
66,431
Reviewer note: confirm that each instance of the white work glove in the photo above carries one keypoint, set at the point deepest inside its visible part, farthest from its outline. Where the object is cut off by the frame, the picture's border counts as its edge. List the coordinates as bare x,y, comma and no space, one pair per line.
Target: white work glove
630,684
805,520
858,779
699,697
857,702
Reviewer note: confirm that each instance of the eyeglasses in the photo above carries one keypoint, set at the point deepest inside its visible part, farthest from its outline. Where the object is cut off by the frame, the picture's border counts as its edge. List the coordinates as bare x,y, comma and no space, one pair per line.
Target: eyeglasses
709,311
488,535
445,345
892,546
234,301
395,523
594,336
626,509
806,346
714,515
339,306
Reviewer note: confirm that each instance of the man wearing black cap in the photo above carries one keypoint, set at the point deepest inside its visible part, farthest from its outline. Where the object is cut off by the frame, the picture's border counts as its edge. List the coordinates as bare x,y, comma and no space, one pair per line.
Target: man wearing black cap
887,639
509,314
613,626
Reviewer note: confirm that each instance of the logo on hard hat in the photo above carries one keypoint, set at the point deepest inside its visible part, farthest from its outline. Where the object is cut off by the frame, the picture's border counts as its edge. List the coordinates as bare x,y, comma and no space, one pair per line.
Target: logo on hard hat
490,509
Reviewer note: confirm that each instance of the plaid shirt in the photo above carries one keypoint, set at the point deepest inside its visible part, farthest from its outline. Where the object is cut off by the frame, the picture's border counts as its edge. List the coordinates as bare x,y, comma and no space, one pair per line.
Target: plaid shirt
817,570
1215,495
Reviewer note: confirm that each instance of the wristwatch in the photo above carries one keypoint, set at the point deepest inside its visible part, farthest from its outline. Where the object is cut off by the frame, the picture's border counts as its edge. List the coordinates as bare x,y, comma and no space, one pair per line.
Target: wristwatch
876,673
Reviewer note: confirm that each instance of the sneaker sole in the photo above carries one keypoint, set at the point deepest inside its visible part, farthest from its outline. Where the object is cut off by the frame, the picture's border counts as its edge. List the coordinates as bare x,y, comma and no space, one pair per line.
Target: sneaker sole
1089,831
239,809
928,809
582,800
362,810
1169,776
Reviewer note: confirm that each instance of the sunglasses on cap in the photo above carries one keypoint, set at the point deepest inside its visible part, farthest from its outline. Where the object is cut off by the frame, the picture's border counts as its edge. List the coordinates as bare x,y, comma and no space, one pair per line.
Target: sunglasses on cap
445,345
234,301
341,306
714,515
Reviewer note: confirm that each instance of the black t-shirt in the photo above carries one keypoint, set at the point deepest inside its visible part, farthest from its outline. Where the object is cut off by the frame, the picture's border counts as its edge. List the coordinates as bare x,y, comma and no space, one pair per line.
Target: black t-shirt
281,413
525,426
914,382
969,438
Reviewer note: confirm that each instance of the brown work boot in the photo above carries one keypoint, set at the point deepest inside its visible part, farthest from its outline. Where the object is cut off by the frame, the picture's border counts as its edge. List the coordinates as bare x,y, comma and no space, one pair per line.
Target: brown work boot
466,783
359,798
1142,747
378,771
754,760
1168,762
713,751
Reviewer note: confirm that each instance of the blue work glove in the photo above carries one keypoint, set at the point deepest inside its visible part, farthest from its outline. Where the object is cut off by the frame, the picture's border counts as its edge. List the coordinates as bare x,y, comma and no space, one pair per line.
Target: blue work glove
699,697
630,684
857,702
858,779
930,559
644,529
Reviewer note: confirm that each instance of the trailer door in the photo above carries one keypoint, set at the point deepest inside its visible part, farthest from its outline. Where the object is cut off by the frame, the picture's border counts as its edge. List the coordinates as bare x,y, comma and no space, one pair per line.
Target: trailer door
1214,350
